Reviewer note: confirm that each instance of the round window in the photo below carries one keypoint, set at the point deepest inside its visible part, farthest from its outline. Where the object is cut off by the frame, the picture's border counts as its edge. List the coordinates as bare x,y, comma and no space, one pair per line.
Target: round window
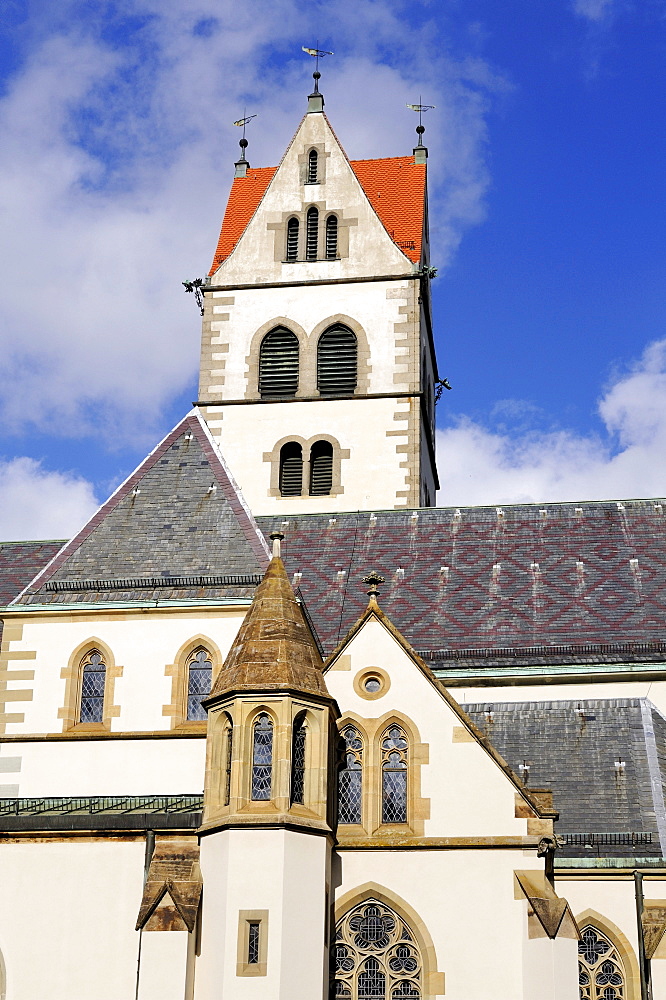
372,684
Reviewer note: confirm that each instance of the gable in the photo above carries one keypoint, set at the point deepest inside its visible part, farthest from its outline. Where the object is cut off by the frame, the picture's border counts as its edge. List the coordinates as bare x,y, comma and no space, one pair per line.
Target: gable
244,199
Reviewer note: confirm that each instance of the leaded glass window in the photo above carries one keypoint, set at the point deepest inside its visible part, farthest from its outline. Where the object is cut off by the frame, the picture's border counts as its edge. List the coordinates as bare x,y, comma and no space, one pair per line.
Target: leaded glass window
253,943
600,970
262,758
93,677
350,778
229,732
199,676
394,775
298,760
376,956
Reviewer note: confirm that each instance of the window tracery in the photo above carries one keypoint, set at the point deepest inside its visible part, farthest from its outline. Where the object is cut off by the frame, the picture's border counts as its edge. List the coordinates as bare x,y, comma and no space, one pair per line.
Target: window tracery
350,778
93,680
199,677
262,758
394,775
376,955
601,973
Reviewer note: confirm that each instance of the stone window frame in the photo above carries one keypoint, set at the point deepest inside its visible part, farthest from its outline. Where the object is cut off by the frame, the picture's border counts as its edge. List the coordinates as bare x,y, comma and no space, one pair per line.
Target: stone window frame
72,674
418,808
304,161
339,454
363,363
623,946
245,918
178,671
279,230
245,754
353,830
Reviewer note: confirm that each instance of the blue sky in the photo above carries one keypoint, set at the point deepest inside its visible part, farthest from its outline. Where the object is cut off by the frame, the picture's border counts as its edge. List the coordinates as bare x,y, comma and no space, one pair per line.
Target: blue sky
547,208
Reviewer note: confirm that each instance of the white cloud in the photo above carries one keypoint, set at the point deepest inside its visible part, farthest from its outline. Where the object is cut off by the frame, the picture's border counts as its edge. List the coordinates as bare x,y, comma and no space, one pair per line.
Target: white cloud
116,161
480,466
593,10
36,503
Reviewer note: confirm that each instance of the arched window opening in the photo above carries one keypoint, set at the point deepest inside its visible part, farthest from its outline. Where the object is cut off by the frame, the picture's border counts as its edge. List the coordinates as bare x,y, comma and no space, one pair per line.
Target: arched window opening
350,778
376,955
229,756
199,677
394,775
601,974
262,758
311,234
298,761
332,237
321,469
291,469
93,678
278,363
337,362
292,239
312,166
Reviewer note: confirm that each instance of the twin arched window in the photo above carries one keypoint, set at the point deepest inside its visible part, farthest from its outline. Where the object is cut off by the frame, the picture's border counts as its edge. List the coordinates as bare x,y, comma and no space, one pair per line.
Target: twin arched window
376,955
291,469
337,363
394,775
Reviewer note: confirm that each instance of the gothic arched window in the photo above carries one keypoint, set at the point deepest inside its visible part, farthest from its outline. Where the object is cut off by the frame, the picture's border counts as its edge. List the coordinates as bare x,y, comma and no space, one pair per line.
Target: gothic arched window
601,973
332,237
93,679
376,955
321,469
228,757
298,760
337,362
199,677
278,363
291,469
311,233
312,166
394,775
350,778
292,238
262,758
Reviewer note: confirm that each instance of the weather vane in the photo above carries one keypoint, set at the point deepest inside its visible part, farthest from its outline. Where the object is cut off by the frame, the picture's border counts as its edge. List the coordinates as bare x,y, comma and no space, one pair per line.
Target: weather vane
421,108
242,122
317,53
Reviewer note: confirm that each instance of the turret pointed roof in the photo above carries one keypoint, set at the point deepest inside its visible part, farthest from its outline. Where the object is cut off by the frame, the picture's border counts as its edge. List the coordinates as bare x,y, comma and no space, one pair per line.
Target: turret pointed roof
177,528
274,648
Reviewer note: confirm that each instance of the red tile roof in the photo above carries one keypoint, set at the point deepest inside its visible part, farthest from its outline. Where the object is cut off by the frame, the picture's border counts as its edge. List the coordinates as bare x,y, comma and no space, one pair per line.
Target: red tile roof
395,188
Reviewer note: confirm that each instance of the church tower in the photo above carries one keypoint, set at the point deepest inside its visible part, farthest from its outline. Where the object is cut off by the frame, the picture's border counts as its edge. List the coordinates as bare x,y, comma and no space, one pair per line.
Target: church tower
267,833
318,365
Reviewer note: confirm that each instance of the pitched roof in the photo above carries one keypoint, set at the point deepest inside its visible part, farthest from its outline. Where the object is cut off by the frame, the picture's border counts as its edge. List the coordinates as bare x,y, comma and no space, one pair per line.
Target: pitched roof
395,188
481,586
572,746
19,564
177,528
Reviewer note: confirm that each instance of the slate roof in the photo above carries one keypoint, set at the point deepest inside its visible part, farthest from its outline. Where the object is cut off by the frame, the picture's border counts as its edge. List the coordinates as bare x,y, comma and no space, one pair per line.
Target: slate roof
485,586
571,747
395,187
176,529
20,562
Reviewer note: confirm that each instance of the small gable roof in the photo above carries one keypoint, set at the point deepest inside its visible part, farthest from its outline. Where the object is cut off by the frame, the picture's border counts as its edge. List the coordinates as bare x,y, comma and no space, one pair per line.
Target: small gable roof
395,187
177,528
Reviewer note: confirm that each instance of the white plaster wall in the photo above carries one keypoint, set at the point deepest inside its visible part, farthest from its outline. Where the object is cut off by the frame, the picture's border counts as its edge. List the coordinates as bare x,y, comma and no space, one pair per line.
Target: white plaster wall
143,642
370,477
469,794
67,919
551,968
163,965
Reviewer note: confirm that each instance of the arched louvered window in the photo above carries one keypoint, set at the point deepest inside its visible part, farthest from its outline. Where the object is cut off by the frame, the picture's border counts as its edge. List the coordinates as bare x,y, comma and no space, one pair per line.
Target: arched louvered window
292,238
298,760
350,778
199,676
311,233
601,974
376,955
229,756
321,469
93,678
262,758
291,469
394,775
278,363
332,237
312,166
337,362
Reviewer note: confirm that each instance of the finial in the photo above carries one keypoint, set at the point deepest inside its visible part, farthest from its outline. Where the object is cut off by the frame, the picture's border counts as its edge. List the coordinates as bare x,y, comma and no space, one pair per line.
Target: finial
276,538
316,100
420,151
373,579
242,165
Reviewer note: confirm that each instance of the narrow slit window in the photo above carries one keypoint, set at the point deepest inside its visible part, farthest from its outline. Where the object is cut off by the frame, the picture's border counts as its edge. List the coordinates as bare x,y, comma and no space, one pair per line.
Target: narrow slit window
332,237
312,234
262,758
278,364
253,942
291,469
350,778
337,362
199,676
292,239
229,729
321,469
93,679
298,761
312,166
394,776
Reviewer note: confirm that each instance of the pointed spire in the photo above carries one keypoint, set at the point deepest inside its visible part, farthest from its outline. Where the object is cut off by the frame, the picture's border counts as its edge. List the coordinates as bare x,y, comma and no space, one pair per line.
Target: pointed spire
274,649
